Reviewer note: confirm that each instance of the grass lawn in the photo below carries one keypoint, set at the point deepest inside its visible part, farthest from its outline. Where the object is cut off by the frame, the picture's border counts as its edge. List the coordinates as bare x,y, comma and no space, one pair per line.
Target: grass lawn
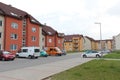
115,55
92,70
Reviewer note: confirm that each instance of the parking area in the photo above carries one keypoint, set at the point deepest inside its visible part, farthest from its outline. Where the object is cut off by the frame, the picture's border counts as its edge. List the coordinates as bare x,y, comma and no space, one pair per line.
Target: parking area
40,68
25,62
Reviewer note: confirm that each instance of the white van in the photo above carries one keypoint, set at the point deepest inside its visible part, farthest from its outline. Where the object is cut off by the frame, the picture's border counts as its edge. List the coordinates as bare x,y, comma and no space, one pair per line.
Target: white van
29,52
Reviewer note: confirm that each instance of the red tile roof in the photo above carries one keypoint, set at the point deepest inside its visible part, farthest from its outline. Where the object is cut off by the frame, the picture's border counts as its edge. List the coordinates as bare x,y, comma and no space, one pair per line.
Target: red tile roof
8,10
48,30
68,38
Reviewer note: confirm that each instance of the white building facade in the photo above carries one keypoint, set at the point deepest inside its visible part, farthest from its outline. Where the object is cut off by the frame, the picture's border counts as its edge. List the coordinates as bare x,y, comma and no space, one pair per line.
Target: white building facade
116,42
1,32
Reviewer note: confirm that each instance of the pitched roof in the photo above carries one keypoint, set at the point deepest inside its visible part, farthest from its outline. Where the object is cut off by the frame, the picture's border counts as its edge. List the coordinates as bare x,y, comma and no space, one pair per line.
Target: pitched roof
90,38
68,38
48,30
8,10
61,35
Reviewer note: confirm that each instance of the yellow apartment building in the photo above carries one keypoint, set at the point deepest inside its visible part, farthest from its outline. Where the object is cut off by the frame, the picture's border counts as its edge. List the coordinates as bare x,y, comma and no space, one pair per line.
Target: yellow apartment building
73,42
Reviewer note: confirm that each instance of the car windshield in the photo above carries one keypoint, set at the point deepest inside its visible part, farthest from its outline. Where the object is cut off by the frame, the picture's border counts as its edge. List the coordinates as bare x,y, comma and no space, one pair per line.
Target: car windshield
94,52
58,49
5,52
88,52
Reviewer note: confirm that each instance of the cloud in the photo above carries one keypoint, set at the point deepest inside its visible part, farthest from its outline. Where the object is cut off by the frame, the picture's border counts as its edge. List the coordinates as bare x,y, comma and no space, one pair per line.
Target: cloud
74,16
115,10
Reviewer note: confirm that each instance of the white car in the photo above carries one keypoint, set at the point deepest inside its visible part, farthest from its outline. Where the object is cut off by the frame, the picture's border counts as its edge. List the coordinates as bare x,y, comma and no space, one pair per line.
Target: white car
29,52
91,53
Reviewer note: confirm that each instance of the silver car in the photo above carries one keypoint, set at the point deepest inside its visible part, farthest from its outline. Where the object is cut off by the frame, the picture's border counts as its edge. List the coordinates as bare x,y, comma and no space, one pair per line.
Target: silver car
91,53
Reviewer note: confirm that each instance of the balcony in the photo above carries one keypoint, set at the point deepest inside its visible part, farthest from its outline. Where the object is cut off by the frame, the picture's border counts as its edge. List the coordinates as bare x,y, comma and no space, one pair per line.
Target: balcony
75,41
75,46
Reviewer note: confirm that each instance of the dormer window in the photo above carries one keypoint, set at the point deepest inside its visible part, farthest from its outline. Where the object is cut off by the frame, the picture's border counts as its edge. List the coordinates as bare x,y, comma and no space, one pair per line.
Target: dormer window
13,14
49,33
33,20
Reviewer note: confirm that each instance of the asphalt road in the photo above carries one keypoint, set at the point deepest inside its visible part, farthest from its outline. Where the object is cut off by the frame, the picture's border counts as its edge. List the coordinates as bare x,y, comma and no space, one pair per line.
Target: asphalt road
19,63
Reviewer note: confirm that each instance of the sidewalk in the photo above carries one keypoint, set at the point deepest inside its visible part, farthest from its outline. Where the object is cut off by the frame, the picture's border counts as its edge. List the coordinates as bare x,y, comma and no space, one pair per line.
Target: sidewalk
42,71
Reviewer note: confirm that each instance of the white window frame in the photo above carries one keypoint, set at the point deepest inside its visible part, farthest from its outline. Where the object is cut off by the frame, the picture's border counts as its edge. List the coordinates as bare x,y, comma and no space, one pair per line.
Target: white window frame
58,41
14,36
13,47
33,29
50,40
14,25
33,38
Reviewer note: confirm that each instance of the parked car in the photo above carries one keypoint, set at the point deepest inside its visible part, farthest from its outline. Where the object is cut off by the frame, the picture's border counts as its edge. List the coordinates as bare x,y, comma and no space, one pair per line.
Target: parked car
29,52
43,53
92,53
54,51
64,52
106,51
5,55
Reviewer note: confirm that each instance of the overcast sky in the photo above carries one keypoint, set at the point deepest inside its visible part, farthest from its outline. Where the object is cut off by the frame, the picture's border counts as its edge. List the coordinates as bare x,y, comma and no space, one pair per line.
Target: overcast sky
75,16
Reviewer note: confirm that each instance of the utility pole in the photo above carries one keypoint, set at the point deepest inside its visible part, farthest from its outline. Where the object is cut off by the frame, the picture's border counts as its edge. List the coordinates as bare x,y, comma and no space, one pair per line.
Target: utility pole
100,35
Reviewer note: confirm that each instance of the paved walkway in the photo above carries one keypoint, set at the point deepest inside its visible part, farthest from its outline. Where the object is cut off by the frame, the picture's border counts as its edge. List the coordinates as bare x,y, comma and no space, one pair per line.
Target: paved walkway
42,71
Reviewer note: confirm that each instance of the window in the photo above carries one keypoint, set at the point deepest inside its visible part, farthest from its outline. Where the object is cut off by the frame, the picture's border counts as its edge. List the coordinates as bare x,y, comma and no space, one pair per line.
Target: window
33,38
50,40
13,47
59,41
25,50
33,29
37,50
0,47
0,34
14,36
14,25
0,22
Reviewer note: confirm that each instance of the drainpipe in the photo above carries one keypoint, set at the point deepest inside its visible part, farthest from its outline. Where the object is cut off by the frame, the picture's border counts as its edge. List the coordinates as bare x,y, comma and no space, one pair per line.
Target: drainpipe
4,37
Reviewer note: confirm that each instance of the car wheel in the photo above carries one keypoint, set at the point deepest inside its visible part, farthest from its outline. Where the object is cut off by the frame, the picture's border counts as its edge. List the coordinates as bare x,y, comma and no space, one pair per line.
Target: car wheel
98,56
36,57
29,57
46,55
3,59
17,56
13,59
84,56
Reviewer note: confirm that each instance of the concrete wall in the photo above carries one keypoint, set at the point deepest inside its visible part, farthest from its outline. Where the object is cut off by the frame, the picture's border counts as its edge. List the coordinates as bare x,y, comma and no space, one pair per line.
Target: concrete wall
87,44
2,32
117,42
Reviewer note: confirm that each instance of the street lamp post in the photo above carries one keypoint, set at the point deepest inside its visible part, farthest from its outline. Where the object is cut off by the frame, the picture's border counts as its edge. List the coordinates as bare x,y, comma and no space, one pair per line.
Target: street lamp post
100,34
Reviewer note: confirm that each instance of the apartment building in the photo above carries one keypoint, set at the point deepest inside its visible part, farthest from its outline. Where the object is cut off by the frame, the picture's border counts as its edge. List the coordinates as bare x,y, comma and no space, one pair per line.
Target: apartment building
89,43
51,38
17,29
116,42
104,44
68,45
73,42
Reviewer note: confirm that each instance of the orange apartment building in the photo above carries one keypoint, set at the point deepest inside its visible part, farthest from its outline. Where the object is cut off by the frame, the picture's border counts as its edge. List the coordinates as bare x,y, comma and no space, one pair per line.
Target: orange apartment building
104,44
51,38
80,43
17,29
107,44
73,42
